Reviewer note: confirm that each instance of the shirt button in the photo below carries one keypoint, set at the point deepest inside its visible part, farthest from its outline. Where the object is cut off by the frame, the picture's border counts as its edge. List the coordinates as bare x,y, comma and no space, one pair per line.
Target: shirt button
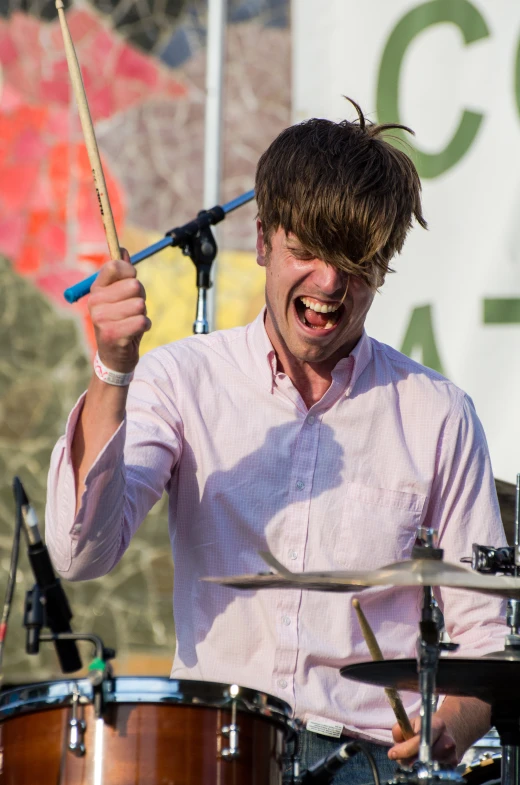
300,485
311,419
293,554
286,620
282,683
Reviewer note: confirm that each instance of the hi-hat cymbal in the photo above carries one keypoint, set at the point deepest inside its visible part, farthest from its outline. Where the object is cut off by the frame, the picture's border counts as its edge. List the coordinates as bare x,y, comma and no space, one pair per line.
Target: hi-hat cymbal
492,680
414,572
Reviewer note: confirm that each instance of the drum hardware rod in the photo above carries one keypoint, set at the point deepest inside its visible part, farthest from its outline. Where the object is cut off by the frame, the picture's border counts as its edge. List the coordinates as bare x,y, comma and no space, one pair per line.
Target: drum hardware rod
202,250
232,730
510,765
291,759
508,727
428,655
429,648
100,670
201,323
77,727
505,716
426,771
516,603
506,721
103,653
513,606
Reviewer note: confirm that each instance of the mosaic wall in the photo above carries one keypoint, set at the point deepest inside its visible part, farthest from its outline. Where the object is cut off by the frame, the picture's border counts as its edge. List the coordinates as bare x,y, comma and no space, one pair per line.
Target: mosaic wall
144,69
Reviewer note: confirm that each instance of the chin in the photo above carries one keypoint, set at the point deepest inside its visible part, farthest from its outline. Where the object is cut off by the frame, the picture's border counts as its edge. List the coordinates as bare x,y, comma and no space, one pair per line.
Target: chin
311,354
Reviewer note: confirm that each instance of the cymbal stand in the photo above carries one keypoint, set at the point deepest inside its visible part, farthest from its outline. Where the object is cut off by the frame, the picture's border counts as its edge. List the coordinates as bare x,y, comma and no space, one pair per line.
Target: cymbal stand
504,716
426,771
506,720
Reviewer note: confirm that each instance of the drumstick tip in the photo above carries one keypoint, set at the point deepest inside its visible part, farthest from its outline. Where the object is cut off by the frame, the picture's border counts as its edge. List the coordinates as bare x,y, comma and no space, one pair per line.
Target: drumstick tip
355,603
59,4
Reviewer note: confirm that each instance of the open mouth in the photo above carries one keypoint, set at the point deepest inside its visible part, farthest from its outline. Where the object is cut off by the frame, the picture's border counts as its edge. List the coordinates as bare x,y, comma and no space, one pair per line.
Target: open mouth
318,315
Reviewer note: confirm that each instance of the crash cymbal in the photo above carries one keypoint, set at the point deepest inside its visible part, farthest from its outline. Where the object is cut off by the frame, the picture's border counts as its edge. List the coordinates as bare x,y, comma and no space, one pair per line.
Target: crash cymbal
414,572
491,680
506,493
273,581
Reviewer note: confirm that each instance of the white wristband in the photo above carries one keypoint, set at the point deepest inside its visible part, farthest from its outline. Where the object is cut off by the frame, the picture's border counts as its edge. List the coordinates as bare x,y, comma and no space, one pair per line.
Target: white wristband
111,377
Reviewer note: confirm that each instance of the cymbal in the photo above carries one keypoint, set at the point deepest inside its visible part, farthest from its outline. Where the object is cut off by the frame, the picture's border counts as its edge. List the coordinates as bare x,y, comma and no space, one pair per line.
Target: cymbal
491,680
273,581
414,572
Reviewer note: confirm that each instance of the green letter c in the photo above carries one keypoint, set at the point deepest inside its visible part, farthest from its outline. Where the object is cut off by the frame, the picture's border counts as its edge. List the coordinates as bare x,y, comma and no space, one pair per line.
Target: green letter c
473,27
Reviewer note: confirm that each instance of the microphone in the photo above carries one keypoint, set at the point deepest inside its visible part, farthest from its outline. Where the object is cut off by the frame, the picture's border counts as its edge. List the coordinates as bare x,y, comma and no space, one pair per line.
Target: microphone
57,610
322,773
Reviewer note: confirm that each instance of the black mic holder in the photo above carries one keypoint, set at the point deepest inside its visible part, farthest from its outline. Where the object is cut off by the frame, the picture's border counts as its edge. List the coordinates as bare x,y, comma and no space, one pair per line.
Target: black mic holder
198,242
54,611
35,618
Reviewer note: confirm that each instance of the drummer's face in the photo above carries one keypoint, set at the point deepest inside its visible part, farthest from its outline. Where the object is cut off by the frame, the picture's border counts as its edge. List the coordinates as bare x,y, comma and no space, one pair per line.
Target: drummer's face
298,286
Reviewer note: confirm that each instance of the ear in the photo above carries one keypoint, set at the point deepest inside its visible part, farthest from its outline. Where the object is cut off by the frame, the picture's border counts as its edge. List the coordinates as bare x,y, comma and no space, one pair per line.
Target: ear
260,245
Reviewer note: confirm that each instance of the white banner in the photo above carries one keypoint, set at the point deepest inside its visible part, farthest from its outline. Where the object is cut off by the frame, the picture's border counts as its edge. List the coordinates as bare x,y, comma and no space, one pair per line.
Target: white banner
450,69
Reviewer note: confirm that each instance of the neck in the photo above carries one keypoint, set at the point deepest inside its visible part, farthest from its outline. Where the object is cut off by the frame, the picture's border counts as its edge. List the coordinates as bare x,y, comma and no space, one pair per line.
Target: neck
311,379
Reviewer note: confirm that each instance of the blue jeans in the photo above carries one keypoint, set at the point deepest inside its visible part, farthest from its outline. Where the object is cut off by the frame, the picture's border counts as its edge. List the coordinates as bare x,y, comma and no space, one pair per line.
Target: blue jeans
356,771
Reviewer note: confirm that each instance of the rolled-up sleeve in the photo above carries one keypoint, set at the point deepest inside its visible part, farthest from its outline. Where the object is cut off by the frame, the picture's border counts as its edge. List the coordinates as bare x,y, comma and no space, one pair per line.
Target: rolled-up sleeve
127,478
464,509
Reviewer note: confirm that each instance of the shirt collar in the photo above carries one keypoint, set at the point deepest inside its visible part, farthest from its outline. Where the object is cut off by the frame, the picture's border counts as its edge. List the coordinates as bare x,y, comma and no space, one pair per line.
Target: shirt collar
347,371
262,350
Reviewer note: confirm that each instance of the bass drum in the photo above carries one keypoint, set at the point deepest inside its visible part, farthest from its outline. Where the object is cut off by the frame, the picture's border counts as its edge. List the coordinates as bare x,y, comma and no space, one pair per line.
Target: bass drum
483,761
141,730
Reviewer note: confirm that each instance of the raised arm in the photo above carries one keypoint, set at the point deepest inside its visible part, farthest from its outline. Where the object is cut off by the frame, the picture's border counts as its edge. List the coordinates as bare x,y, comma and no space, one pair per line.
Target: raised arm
109,468
117,307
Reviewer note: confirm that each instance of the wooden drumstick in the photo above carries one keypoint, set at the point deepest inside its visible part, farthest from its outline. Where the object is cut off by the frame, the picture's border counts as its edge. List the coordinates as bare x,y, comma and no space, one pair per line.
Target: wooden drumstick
89,136
376,654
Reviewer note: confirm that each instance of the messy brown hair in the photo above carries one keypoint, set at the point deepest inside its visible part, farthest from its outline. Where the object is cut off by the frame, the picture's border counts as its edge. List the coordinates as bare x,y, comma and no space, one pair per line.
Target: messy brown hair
347,194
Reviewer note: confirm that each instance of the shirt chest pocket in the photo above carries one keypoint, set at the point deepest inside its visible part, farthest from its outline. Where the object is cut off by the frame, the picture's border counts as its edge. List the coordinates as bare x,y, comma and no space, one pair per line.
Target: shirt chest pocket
377,526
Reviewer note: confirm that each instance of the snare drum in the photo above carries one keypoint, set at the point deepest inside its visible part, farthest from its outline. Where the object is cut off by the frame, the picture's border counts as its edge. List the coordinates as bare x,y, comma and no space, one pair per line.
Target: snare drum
150,731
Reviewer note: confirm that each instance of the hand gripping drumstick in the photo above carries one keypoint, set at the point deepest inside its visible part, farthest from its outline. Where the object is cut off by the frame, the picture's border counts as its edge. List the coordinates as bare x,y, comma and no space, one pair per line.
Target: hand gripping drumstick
89,136
376,654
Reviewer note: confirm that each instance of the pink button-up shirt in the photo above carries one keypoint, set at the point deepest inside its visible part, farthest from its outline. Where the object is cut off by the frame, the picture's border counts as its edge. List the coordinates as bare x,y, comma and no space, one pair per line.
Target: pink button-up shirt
247,467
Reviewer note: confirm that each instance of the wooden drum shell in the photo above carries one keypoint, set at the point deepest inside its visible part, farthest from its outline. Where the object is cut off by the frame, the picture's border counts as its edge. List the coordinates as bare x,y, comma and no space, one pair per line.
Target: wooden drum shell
140,743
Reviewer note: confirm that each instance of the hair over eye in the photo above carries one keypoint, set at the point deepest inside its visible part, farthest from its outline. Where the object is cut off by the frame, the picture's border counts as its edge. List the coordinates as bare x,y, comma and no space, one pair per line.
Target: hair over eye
343,190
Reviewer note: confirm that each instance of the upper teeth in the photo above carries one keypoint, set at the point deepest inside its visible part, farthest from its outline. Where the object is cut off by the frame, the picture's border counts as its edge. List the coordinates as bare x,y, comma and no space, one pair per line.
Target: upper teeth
319,307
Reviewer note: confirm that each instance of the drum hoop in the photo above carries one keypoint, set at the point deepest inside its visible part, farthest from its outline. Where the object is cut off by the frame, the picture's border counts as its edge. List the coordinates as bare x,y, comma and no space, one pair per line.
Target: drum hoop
29,698
477,771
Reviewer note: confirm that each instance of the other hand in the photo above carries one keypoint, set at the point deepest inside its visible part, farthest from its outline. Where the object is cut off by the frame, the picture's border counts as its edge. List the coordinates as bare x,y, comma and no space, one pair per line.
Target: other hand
117,307
443,745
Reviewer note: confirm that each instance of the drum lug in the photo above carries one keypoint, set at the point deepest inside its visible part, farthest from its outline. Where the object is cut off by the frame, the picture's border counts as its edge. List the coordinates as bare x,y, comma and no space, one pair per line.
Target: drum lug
231,752
76,728
232,730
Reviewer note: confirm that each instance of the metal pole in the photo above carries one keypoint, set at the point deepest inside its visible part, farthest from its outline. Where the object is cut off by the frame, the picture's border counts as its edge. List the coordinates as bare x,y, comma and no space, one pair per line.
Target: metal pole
217,15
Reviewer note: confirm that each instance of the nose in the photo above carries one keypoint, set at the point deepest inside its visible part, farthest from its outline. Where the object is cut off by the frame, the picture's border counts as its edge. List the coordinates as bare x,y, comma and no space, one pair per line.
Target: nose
329,279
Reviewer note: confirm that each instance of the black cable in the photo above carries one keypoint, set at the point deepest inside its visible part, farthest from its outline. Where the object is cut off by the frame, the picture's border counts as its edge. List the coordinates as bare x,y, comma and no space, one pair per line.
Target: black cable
371,762
13,567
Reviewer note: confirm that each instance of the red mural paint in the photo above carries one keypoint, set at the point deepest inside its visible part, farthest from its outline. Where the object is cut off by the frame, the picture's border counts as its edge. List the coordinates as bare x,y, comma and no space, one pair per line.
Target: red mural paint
50,227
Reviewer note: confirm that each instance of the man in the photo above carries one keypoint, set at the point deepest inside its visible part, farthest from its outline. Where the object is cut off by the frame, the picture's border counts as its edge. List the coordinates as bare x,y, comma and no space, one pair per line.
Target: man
298,434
